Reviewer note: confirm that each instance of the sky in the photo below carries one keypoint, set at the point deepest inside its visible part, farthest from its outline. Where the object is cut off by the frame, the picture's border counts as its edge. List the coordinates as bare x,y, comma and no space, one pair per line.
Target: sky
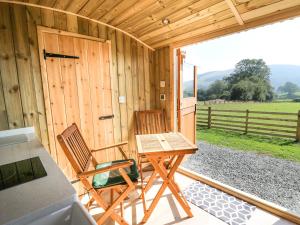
277,43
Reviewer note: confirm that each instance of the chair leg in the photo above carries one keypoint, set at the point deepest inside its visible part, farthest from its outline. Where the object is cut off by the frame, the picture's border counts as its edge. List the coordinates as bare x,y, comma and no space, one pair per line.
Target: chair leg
111,196
88,204
96,195
108,212
122,209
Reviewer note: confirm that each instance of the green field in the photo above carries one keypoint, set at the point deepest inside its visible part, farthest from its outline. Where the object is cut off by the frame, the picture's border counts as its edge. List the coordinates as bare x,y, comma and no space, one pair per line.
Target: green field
292,107
275,146
287,107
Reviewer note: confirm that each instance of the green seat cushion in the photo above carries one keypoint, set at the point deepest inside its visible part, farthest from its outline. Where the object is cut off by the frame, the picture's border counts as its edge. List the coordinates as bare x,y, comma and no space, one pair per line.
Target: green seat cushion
114,177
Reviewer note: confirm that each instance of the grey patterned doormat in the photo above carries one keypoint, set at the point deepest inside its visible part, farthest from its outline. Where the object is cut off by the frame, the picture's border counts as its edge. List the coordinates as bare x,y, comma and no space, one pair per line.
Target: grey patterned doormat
225,207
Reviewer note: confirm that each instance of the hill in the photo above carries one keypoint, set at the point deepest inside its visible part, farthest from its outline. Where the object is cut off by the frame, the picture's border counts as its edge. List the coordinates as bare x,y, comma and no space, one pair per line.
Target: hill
280,73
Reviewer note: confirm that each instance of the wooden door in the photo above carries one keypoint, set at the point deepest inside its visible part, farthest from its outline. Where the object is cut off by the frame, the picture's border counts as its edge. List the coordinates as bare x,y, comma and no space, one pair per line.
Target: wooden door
76,90
186,97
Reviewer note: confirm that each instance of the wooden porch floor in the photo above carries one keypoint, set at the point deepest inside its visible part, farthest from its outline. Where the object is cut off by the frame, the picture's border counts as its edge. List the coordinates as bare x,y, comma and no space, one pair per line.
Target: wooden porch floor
168,210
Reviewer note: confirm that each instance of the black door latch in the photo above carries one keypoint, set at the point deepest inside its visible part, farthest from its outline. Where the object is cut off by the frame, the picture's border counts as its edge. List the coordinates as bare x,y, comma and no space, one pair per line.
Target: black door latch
106,117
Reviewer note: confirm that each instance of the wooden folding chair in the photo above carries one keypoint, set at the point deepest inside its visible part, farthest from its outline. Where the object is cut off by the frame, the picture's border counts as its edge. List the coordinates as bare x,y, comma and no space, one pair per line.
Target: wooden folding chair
118,176
150,122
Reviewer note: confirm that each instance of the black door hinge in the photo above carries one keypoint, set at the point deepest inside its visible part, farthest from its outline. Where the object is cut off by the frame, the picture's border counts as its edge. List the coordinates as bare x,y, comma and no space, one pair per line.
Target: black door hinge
55,55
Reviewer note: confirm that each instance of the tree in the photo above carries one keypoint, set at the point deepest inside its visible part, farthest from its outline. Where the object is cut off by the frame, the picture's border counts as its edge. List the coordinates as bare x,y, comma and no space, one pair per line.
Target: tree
201,95
216,89
243,90
290,88
250,81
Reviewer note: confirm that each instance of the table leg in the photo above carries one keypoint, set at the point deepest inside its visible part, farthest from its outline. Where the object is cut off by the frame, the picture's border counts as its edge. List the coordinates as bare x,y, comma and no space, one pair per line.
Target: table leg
158,195
142,183
150,181
173,186
167,182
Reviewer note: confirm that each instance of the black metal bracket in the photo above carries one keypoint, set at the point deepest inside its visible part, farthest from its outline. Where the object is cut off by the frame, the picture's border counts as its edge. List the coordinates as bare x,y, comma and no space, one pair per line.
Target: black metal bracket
106,117
55,55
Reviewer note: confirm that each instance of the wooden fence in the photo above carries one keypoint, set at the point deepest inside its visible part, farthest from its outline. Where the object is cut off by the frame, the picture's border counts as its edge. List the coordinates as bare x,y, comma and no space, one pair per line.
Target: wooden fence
279,124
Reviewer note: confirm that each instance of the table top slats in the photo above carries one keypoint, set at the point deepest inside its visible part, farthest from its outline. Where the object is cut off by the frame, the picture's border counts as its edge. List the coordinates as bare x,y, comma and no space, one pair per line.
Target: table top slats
171,143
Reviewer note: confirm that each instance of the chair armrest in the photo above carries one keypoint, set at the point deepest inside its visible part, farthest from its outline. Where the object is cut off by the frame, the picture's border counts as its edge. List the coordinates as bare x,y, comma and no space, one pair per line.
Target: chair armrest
110,146
105,169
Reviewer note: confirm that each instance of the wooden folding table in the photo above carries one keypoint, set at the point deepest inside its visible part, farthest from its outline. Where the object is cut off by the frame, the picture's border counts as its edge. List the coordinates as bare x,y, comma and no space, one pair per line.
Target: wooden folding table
157,148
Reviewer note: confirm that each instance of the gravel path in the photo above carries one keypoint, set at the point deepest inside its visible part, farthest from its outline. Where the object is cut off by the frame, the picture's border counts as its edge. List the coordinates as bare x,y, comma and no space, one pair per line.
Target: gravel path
272,179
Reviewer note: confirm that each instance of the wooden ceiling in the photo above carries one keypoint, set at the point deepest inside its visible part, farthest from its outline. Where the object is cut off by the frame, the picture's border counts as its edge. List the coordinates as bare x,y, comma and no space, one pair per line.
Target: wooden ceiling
190,21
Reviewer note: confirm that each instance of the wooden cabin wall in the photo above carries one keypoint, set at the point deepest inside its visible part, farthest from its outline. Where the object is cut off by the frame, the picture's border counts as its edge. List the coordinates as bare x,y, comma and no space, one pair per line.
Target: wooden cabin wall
21,93
161,70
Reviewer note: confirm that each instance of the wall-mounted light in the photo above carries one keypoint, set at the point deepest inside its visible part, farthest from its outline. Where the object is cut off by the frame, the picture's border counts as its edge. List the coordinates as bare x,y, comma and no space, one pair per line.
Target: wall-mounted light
165,21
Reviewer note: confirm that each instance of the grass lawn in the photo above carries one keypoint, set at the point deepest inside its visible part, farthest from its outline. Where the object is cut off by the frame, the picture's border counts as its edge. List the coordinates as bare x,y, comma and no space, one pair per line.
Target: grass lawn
276,147
292,107
289,107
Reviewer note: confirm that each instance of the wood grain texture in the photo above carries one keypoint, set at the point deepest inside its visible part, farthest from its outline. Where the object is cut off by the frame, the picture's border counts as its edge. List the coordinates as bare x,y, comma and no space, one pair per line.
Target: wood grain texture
141,77
132,58
33,19
147,78
60,20
152,80
3,114
180,17
46,101
83,26
143,20
169,143
129,95
117,10
108,108
151,122
134,71
272,18
24,68
115,87
56,98
122,81
72,24
83,87
161,71
93,75
47,18
68,79
10,82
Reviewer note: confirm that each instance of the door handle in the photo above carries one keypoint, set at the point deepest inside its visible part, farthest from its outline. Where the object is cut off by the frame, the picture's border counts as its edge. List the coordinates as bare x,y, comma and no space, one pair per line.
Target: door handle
106,117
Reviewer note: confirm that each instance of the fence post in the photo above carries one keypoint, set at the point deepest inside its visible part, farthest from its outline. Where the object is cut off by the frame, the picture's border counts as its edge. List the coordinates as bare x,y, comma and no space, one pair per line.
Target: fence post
298,128
246,123
209,118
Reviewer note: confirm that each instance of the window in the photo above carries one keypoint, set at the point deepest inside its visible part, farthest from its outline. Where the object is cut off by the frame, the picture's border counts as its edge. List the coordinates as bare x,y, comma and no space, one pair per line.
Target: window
188,80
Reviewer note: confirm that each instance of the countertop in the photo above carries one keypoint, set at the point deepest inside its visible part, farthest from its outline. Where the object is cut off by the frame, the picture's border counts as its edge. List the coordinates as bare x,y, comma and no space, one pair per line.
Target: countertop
22,203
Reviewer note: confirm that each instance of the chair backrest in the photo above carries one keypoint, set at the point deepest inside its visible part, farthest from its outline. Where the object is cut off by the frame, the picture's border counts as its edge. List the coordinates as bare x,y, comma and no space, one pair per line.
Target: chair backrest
75,148
150,122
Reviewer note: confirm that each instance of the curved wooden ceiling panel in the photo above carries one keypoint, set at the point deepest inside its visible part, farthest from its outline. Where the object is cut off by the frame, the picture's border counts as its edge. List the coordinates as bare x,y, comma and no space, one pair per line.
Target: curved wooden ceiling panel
186,21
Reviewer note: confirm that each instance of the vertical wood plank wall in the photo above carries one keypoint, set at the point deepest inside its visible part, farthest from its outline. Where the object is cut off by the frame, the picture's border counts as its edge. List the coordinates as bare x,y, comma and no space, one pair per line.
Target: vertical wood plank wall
135,70
160,71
